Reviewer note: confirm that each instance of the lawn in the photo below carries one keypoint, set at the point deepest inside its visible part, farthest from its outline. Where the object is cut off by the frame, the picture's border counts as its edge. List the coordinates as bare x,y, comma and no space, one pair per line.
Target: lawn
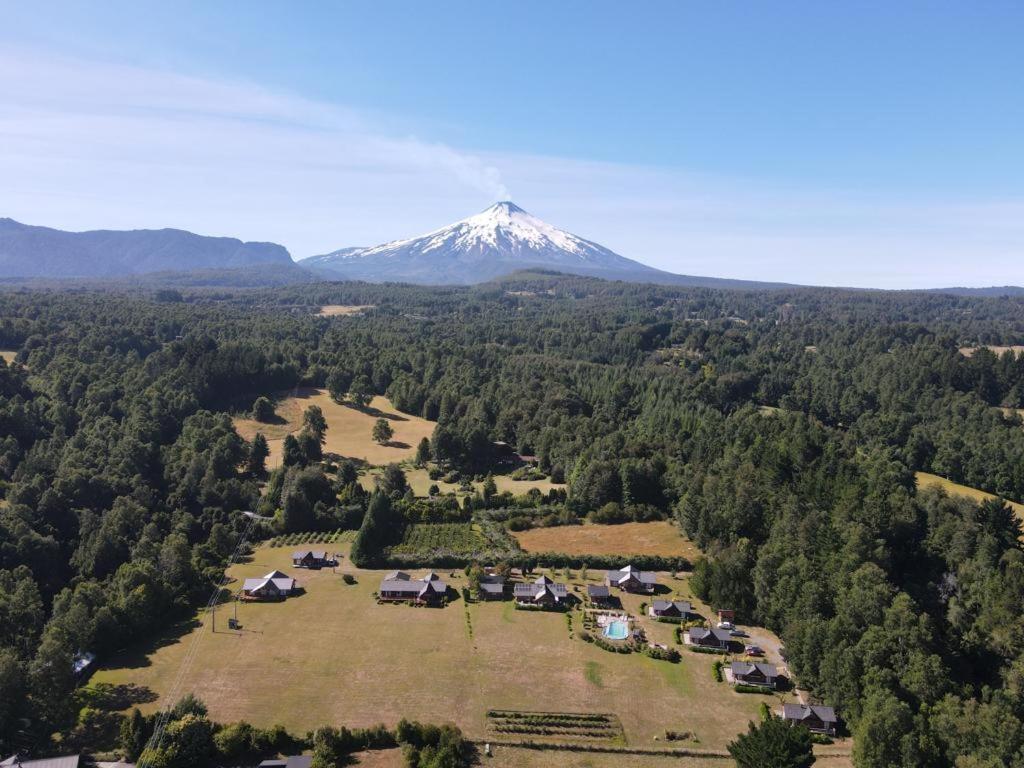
332,655
348,428
925,479
658,538
342,310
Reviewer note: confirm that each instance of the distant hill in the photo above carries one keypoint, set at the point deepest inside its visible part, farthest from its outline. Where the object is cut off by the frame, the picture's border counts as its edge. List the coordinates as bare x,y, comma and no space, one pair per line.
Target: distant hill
31,252
498,241
993,291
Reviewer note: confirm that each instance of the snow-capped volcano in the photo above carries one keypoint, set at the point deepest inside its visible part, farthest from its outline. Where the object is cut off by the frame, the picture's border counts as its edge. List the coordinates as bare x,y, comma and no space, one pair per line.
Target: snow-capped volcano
502,239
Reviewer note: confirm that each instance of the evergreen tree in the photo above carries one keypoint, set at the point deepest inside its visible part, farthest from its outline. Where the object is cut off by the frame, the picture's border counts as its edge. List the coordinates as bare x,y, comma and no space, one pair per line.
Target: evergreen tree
314,422
291,452
773,744
423,452
259,450
379,528
263,410
361,391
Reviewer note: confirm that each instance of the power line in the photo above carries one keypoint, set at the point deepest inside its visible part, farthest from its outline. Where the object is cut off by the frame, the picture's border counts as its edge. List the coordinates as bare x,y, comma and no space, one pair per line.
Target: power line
164,717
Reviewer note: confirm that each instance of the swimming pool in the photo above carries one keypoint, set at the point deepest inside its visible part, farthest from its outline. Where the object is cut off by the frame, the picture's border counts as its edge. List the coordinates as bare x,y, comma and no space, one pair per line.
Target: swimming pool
617,630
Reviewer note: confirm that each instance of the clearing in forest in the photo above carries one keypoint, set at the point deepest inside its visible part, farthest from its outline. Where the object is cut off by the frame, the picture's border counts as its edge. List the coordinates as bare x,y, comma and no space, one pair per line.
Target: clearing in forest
660,538
926,479
334,655
8,355
420,483
1017,349
340,310
348,428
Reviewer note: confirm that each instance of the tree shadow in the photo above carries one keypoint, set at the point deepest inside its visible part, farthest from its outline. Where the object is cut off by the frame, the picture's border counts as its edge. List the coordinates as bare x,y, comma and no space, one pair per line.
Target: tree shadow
115,698
396,444
137,656
370,410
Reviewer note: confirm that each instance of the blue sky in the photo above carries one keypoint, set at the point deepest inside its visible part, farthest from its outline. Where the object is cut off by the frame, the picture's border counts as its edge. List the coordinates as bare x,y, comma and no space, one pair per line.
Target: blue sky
852,143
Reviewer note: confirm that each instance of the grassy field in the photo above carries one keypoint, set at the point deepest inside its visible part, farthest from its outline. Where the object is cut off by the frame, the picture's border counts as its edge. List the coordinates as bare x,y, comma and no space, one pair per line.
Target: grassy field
924,480
341,310
1017,349
8,355
332,655
657,538
348,428
420,483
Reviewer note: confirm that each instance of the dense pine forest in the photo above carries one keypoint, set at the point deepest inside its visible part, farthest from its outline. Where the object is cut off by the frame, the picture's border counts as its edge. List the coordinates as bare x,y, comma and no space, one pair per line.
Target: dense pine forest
780,429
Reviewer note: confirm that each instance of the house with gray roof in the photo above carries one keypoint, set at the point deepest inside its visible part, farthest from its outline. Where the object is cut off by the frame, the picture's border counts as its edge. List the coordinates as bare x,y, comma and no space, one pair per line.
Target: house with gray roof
817,718
295,761
713,639
492,587
670,609
541,592
68,761
630,579
274,586
399,586
752,673
599,594
310,558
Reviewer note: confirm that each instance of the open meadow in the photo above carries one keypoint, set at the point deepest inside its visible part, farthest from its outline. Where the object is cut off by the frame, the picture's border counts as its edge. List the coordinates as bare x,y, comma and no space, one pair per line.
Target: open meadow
333,655
926,479
420,483
348,428
660,538
343,310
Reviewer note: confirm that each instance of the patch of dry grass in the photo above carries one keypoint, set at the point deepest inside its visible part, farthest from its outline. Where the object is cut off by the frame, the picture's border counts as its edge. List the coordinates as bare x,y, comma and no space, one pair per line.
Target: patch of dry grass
420,483
926,479
333,655
348,428
1017,349
8,355
341,310
658,538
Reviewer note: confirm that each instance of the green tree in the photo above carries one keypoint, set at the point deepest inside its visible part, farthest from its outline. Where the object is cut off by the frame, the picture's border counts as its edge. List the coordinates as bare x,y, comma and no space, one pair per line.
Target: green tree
259,450
382,431
263,410
884,734
291,452
361,391
338,382
392,481
379,528
423,452
313,421
134,735
773,743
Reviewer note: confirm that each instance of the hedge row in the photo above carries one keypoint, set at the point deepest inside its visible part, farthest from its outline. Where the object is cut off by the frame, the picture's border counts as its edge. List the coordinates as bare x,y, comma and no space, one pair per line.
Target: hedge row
609,749
312,537
539,560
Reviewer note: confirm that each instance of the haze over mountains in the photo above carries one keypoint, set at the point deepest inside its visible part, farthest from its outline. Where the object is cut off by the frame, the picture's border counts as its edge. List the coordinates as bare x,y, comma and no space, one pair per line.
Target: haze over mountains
42,252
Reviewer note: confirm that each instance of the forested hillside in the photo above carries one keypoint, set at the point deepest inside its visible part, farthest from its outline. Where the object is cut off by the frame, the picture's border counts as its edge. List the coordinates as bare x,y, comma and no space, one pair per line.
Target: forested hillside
781,429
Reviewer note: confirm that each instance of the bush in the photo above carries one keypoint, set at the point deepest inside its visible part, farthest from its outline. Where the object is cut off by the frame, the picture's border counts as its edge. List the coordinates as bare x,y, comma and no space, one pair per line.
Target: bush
716,671
741,688
348,578
663,654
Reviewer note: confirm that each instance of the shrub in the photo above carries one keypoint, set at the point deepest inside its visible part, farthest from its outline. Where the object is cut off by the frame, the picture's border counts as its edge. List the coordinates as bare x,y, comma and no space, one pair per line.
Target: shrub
716,671
348,578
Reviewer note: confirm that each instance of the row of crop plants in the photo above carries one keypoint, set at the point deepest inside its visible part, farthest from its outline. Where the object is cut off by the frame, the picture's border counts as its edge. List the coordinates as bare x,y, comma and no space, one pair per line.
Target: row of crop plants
312,537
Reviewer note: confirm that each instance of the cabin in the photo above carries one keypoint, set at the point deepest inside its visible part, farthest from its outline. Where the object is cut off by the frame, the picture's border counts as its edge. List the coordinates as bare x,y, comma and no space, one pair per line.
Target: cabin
599,594
398,587
713,639
274,586
541,592
67,761
492,587
725,614
309,558
670,609
753,673
630,579
816,718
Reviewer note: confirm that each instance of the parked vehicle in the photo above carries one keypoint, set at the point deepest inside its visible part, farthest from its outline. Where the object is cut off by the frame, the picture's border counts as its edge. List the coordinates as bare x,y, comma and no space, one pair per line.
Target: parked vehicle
753,650
738,633
726,625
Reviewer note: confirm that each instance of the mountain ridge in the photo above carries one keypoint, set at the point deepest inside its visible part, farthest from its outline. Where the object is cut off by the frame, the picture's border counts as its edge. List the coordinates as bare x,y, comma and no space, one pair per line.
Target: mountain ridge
31,251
